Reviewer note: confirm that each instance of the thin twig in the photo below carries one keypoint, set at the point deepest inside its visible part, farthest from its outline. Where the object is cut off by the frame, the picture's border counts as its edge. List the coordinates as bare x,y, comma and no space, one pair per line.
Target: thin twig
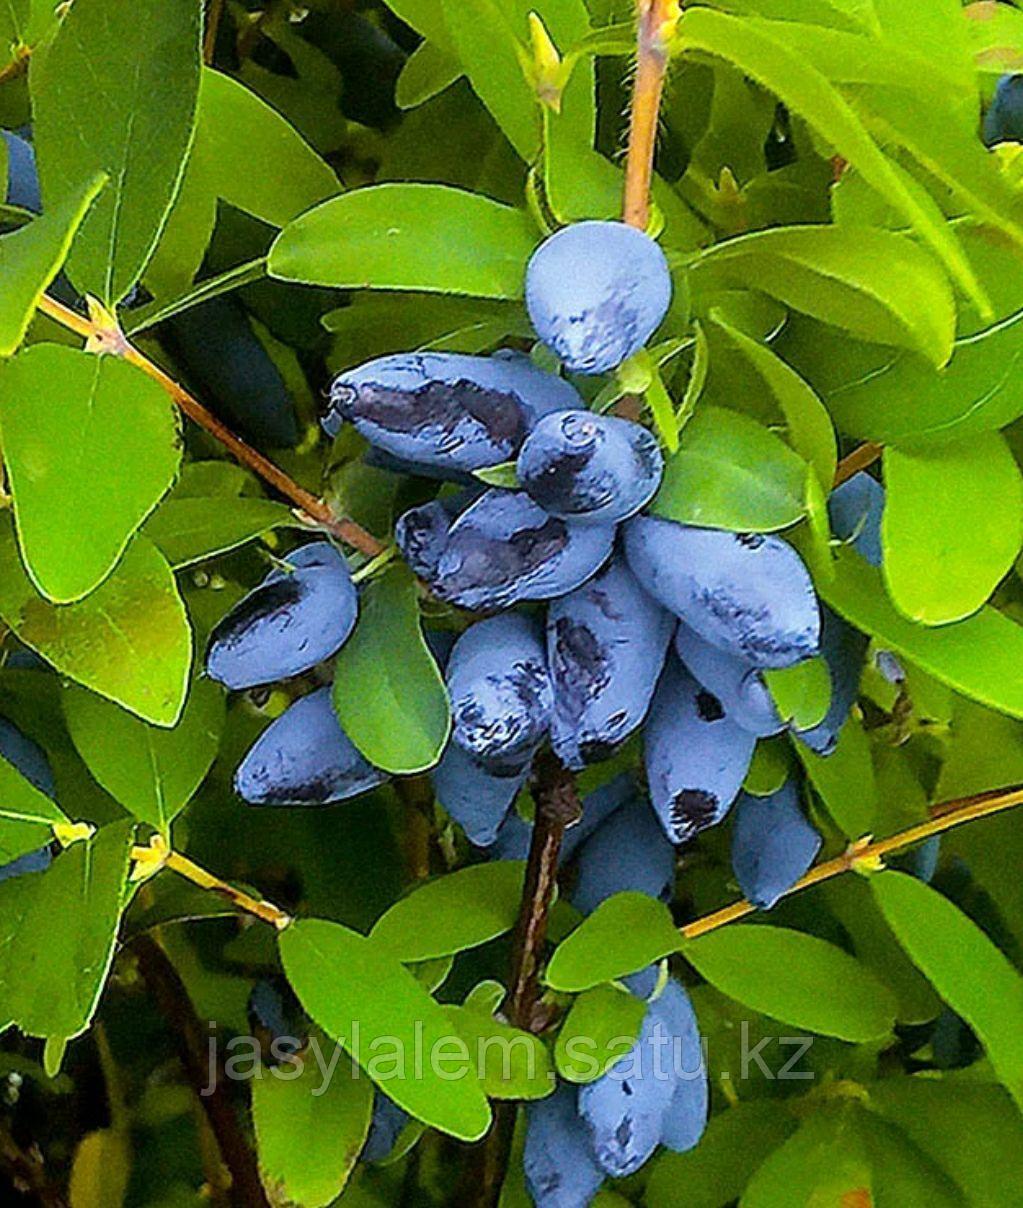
657,21
114,342
557,806
171,998
209,42
26,1170
861,457
864,854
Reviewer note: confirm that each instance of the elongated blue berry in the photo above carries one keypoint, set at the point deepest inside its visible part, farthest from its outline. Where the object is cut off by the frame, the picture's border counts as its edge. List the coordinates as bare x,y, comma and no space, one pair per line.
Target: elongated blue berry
596,469
746,593
596,292
477,798
844,649
624,1109
385,1127
686,1116
606,644
504,549
33,861
444,409
855,509
500,691
738,686
773,844
1003,122
304,758
628,852
293,620
696,756
22,177
515,835
558,1160
28,757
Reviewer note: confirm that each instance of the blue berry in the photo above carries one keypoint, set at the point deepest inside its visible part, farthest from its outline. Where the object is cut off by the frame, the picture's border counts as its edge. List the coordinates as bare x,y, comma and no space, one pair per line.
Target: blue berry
1003,122
22,177
293,620
844,649
686,1116
446,410
606,643
222,357
773,844
596,292
28,757
304,758
515,835
628,852
595,469
33,861
504,549
746,593
500,691
386,1126
739,687
277,1019
477,798
696,756
558,1160
421,534
624,1109
855,509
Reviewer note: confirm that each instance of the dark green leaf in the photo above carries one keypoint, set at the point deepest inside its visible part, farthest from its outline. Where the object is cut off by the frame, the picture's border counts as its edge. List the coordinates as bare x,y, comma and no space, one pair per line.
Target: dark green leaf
187,530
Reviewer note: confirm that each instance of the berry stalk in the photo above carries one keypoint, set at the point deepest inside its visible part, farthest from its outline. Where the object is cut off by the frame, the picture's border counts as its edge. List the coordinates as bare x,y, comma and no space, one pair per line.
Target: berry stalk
657,21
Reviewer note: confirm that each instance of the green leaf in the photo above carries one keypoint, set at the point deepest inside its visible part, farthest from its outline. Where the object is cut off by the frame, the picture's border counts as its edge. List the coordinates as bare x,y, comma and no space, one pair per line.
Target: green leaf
845,780
824,989
389,695
970,656
115,92
510,1063
987,1163
810,429
802,693
343,979
123,456
600,1028
823,1163
769,769
503,475
188,530
716,1172
237,130
57,933
731,472
129,641
878,285
152,772
427,71
310,1126
625,933
30,258
449,914
398,236
936,567
963,965
27,816
763,55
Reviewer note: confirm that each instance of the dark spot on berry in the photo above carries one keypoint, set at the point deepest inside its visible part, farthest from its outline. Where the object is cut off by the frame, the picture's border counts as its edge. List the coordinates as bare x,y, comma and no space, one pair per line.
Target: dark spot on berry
692,810
259,605
750,540
708,706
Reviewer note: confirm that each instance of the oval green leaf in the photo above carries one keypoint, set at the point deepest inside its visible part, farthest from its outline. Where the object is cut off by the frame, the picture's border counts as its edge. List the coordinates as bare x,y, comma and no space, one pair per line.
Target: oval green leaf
342,980
388,693
600,1028
797,979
